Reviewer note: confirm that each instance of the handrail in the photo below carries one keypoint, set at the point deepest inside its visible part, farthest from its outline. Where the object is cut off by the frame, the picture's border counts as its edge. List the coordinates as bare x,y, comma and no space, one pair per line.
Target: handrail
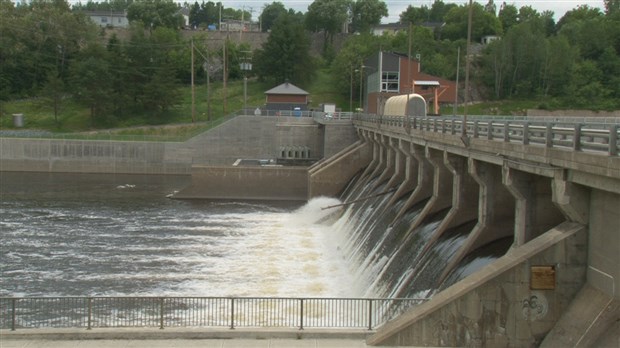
576,136
231,312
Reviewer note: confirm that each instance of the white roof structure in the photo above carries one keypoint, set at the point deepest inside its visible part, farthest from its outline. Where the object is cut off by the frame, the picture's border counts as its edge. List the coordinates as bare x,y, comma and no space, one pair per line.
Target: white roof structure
397,105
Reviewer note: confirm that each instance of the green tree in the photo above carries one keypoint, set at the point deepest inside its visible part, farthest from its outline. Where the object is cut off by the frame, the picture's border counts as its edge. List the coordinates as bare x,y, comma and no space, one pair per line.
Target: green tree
328,16
366,14
345,68
155,13
483,23
269,15
508,16
419,15
91,83
612,6
285,54
53,93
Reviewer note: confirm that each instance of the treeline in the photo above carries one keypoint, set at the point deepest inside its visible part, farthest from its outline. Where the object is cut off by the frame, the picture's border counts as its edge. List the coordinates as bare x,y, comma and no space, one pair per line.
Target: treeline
574,63
49,51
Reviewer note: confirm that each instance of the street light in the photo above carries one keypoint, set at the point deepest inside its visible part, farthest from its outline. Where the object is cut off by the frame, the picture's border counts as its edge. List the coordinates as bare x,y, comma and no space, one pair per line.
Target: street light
362,67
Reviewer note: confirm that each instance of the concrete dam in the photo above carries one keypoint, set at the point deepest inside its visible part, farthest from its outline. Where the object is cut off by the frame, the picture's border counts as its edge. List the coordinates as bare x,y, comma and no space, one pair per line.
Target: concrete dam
510,226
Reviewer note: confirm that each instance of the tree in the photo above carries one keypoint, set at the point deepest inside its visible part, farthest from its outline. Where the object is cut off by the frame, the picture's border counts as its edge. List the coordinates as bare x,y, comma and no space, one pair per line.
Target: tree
484,23
419,15
270,14
367,13
285,54
53,93
155,13
328,16
345,68
508,16
612,6
90,81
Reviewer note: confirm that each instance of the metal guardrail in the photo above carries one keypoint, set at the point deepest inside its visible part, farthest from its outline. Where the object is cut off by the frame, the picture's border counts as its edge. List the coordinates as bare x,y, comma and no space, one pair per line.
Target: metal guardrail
577,136
229,312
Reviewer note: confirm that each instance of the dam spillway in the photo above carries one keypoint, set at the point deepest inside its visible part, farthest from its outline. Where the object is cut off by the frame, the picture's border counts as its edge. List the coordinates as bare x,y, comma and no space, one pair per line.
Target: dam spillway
534,202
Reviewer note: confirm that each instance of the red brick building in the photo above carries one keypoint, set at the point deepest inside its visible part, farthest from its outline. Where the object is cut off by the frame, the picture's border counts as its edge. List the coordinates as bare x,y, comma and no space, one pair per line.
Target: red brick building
389,74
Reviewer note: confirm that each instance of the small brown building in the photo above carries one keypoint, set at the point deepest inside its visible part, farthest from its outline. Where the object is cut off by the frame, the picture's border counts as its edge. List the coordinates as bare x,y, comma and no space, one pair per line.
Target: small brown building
287,97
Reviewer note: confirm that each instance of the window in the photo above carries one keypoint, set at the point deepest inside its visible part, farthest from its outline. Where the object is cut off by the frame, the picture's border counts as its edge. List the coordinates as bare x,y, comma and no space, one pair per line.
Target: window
104,19
389,81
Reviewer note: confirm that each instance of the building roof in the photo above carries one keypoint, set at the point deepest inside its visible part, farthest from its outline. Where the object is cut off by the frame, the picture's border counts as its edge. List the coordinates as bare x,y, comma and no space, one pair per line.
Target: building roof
426,83
288,89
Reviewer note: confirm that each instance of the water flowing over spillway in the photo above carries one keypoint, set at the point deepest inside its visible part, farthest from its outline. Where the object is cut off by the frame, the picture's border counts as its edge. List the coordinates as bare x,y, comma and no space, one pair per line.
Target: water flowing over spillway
98,235
394,251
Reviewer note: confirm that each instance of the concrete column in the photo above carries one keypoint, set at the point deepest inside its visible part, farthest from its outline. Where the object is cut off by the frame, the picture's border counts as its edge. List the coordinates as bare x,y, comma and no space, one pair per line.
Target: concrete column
406,174
424,188
572,199
496,207
387,167
535,212
399,162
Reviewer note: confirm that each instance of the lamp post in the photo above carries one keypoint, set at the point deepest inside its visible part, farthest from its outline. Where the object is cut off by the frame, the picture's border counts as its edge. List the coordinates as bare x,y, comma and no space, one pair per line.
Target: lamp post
362,67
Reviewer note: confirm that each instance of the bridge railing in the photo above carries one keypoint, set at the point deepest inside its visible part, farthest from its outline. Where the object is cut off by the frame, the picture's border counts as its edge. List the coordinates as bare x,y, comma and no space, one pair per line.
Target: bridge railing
226,312
577,136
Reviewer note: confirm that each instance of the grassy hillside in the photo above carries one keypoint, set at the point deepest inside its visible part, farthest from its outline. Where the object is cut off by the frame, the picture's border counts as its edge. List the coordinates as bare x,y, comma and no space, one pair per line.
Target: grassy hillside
72,118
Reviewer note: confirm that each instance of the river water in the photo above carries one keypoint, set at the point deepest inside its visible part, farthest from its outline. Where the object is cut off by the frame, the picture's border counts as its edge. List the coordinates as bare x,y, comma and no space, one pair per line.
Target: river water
118,235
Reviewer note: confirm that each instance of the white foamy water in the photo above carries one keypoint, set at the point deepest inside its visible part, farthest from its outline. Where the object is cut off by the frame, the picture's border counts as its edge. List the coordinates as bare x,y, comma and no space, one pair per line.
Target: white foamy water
72,235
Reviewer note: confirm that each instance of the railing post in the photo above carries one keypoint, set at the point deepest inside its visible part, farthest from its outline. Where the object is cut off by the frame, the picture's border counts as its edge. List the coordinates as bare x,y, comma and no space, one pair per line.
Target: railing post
613,140
526,133
232,313
161,313
490,130
506,131
475,128
549,135
414,122
13,309
577,137
89,324
301,314
369,314
453,127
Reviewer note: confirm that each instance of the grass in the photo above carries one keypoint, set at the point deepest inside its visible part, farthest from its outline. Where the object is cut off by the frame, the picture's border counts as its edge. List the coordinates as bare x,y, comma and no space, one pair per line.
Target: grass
178,123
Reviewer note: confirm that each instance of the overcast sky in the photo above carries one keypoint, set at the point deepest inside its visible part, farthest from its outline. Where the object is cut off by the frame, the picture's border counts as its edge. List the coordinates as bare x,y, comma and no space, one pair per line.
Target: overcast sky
395,7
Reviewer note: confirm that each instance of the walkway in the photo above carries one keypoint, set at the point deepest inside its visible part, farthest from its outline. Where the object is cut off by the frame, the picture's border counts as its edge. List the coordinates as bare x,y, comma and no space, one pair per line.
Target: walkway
182,338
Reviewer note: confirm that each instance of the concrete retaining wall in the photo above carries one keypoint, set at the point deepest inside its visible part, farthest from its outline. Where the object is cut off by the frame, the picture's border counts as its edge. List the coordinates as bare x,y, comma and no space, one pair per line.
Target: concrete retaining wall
496,307
254,183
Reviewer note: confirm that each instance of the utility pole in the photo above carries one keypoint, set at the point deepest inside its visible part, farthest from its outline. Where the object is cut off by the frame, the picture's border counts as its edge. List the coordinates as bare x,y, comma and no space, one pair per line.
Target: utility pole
456,94
193,87
467,58
225,77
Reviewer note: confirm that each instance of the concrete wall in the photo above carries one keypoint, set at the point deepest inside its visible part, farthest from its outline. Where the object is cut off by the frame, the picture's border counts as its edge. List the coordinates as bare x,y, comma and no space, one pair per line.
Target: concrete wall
78,156
496,307
241,137
253,183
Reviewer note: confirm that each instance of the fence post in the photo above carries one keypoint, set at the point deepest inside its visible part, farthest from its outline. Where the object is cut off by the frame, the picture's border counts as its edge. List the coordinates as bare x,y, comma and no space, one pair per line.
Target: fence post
490,130
13,308
507,131
577,137
232,313
369,314
161,313
301,314
453,127
475,128
90,313
549,135
613,140
526,133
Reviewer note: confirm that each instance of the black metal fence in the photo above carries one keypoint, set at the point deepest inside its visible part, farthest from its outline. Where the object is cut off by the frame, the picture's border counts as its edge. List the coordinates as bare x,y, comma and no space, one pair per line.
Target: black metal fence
228,312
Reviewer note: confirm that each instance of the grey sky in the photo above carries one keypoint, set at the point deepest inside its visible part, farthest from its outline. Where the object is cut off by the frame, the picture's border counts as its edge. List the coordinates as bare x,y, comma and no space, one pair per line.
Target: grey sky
395,7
